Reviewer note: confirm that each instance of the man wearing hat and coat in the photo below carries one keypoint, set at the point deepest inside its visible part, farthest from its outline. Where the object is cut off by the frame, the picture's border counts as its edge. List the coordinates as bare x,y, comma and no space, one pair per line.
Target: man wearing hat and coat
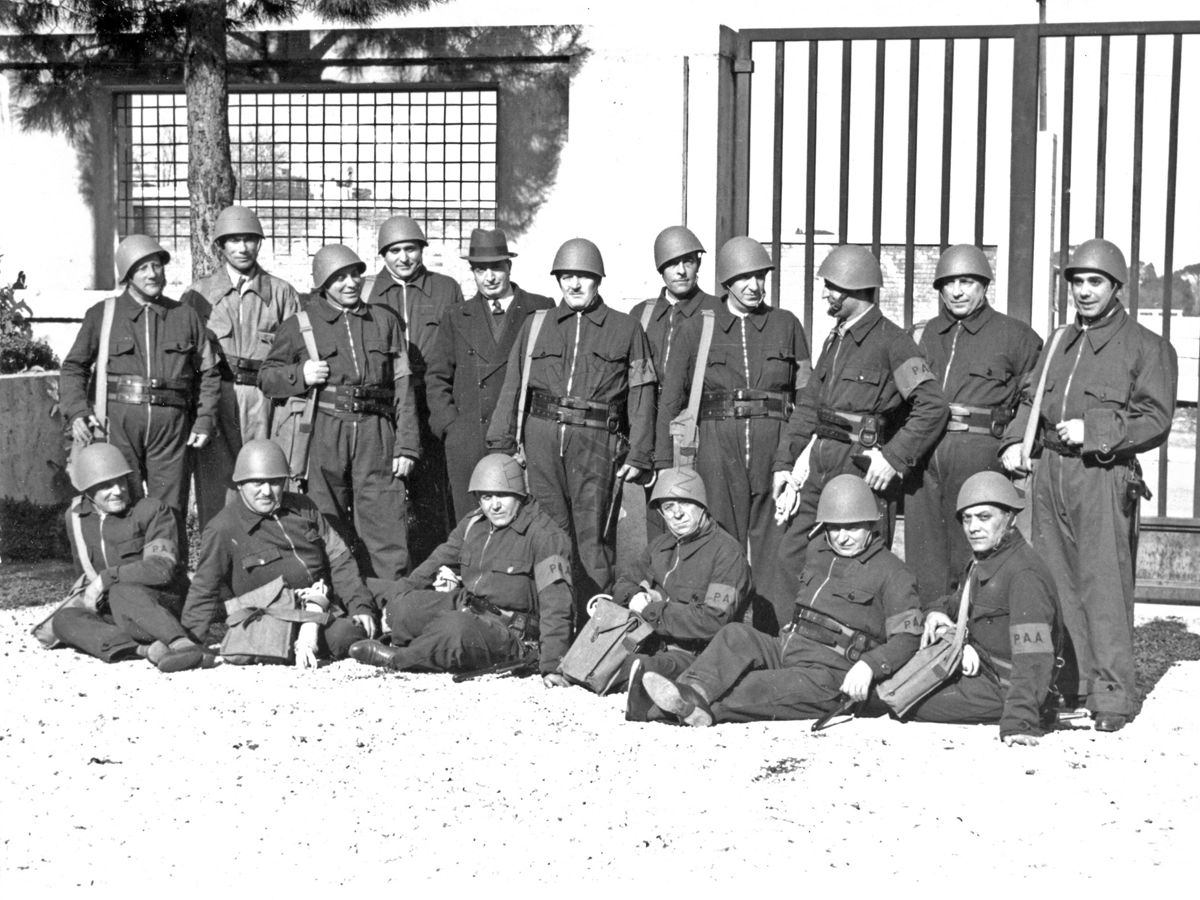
466,370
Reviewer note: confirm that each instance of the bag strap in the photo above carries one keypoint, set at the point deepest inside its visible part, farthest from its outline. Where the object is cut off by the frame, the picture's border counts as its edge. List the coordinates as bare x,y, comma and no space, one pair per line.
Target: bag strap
306,333
648,314
1035,410
960,629
80,547
535,327
252,613
707,323
100,404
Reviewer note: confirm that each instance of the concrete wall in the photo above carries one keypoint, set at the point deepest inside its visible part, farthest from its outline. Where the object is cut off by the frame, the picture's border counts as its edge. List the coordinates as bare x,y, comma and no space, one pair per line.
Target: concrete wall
32,451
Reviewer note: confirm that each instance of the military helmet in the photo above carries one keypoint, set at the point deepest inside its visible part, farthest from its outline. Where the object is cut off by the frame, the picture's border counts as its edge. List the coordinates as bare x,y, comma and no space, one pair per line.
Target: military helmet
962,259
498,473
988,487
133,250
260,460
674,242
852,268
578,255
741,256
236,220
400,228
1098,255
96,464
679,484
846,499
330,260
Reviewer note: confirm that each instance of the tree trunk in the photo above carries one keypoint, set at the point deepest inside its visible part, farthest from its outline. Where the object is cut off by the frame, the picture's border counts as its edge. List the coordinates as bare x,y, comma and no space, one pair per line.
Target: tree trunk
206,83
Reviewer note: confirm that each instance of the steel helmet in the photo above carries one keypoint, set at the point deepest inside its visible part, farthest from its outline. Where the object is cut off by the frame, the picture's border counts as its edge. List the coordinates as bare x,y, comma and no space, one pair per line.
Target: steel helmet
679,484
236,220
260,460
846,499
988,487
133,250
330,260
498,473
96,464
1099,255
852,268
400,228
578,255
962,259
741,256
674,242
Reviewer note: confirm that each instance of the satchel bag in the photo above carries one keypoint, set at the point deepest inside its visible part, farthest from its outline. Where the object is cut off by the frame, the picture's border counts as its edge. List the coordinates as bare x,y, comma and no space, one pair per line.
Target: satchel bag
44,630
611,636
262,625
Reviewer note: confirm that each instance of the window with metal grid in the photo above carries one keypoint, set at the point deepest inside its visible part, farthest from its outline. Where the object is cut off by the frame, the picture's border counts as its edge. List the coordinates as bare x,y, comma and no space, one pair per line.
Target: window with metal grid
318,167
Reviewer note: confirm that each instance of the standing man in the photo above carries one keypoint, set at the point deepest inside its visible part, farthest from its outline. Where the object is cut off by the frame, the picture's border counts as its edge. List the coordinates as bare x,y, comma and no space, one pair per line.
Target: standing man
421,298
364,434
757,362
162,377
1108,395
979,357
243,307
872,407
590,410
466,370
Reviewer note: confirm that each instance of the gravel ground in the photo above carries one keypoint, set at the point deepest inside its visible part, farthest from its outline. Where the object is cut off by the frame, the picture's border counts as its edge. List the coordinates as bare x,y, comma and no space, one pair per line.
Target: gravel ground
120,779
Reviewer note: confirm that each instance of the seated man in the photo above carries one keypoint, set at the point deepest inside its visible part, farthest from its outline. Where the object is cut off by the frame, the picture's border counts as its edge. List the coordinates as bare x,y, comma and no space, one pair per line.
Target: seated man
688,583
856,622
1012,621
264,533
128,553
514,587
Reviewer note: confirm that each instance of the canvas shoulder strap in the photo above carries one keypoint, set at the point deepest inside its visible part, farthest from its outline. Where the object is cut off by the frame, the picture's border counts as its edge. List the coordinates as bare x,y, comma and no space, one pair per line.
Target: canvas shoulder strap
707,323
648,314
77,536
1035,410
306,333
535,327
100,406
960,630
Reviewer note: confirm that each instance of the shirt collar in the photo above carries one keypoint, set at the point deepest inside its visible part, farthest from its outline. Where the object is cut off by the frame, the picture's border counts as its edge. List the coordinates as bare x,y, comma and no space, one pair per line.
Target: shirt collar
873,547
419,282
1101,331
972,323
597,312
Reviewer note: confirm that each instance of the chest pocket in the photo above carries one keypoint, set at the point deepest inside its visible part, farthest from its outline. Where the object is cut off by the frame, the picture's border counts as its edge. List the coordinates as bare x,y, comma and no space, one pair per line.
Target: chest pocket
266,337
131,549
376,349
866,377
252,562
508,565
119,346
179,347
326,345
989,615
856,596
990,370
618,358
1108,393
780,365
511,594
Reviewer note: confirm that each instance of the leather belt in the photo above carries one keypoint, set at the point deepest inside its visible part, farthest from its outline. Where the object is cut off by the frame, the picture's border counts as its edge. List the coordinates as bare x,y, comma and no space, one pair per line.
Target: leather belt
1051,441
828,631
745,404
864,429
576,411
978,420
242,370
522,625
357,398
138,391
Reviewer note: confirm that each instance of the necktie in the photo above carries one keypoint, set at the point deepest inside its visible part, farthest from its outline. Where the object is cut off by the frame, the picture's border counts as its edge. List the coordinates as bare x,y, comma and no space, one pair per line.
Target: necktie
496,320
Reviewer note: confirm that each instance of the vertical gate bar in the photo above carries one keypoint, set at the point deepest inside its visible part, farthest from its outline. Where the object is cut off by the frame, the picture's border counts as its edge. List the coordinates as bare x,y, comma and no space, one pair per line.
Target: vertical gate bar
877,181
981,142
1023,176
1135,225
1101,136
1169,261
844,193
683,186
743,72
910,212
777,178
1064,205
728,122
810,186
947,140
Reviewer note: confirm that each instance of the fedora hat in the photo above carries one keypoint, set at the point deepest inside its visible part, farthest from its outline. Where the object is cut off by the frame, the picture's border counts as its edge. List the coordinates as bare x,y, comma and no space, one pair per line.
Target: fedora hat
487,246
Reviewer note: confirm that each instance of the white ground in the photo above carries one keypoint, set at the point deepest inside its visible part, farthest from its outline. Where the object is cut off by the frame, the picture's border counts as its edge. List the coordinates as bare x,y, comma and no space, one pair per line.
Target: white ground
233,782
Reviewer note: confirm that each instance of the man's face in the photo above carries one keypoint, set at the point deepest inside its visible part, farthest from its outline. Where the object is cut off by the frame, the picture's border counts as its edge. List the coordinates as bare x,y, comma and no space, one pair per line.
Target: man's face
345,287
682,517
985,525
579,289
492,278
849,540
500,509
146,279
262,497
962,294
110,497
403,258
241,251
841,303
1093,293
747,292
679,275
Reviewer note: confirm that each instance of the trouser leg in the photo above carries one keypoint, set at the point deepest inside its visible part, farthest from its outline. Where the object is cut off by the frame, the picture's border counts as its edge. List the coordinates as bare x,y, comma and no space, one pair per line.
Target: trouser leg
1055,539
329,475
966,701
212,465
409,614
927,534
380,506
806,692
670,662
464,447
590,457
457,641
427,495
735,650
93,634
142,613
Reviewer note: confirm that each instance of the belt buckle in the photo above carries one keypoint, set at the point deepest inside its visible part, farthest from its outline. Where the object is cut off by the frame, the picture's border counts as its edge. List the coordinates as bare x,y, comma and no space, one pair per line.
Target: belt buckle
613,423
740,411
956,425
357,406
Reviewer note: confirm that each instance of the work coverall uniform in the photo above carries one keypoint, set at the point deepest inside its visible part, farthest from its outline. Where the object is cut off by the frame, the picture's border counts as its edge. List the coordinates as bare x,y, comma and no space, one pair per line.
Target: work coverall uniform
516,588
755,366
464,378
365,417
242,550
870,388
163,384
136,555
1120,379
980,362
1012,622
422,304
698,584
848,608
242,319
663,318
591,384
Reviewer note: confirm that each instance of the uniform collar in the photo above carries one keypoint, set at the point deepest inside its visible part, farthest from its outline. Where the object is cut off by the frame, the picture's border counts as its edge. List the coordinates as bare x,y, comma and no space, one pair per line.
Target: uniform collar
687,306
133,308
864,323
419,282
85,507
989,565
597,312
726,320
250,520
521,521
1101,331
330,311
692,542
875,545
943,322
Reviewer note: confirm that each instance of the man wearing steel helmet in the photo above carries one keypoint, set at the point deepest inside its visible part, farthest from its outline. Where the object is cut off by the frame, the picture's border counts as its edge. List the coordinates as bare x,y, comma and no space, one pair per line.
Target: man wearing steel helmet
502,579
757,362
677,257
130,555
163,380
1109,395
872,403
856,621
264,533
590,410
1012,620
364,435
979,357
243,306
466,372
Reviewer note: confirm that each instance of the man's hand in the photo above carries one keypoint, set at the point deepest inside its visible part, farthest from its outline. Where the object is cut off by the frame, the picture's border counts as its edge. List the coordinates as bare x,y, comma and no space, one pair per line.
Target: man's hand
367,622
970,661
83,429
880,473
629,473
402,466
315,372
1012,461
786,504
93,593
553,679
781,481
446,580
1071,431
197,440
317,592
934,622
857,682
1020,740
306,646
639,602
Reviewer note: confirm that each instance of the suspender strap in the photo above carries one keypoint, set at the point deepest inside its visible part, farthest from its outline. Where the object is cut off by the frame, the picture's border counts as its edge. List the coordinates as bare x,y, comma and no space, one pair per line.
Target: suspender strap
1035,410
535,327
80,547
100,406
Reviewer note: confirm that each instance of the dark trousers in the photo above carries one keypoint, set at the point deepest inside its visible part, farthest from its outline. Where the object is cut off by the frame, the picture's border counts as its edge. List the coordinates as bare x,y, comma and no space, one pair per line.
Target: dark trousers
334,639
966,701
243,414
132,615
464,446
153,440
669,662
436,637
428,491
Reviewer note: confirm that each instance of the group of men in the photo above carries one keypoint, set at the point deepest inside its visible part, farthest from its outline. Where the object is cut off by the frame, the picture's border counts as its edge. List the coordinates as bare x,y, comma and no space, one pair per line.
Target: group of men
308,423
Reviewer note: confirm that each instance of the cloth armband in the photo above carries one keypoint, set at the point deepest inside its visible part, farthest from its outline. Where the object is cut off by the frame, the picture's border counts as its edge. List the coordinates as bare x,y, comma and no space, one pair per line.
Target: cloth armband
911,373
1032,637
720,596
641,371
162,547
551,569
400,365
910,621
803,374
